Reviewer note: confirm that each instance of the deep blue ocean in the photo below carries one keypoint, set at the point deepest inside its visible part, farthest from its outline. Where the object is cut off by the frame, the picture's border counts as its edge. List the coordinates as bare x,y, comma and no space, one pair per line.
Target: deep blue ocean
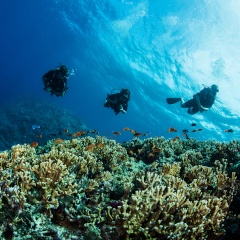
156,49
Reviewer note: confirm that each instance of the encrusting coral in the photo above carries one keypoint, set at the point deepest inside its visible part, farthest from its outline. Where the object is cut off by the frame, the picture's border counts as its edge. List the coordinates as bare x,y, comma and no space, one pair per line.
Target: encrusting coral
95,188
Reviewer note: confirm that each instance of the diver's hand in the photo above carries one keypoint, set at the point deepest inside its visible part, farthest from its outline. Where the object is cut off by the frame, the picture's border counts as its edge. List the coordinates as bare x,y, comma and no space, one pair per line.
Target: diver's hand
123,111
201,108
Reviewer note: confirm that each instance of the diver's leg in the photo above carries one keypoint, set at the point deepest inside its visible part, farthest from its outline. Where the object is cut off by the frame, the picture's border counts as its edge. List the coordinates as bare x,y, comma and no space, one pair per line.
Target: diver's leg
182,103
188,104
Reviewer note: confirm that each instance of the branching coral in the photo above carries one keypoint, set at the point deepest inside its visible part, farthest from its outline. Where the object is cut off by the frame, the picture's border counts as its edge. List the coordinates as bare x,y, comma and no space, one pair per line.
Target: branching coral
95,186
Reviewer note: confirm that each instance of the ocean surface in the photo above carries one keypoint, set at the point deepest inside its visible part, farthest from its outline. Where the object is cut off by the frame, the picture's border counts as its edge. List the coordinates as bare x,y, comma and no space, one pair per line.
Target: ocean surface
156,49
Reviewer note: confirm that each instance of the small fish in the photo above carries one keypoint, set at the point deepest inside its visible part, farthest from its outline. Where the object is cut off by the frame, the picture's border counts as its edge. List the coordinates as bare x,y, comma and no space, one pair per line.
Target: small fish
139,151
78,134
128,165
184,135
101,145
157,150
60,133
106,132
113,166
125,129
230,130
88,132
58,141
35,126
185,131
137,134
123,158
90,147
171,129
94,131
154,145
151,154
66,130
69,135
194,130
174,139
200,129
131,152
39,136
116,133
193,124
33,144
132,131
145,134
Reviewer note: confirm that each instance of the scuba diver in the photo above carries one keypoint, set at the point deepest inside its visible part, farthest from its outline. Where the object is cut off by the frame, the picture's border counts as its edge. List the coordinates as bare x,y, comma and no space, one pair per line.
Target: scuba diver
119,101
55,81
201,101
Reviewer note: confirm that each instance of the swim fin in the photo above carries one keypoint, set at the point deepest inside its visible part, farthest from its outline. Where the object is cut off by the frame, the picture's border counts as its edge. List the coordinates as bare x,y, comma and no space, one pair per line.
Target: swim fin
173,100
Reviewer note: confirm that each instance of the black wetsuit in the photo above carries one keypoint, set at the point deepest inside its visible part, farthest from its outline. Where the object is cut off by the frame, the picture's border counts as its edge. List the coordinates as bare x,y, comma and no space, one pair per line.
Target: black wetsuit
206,100
116,107
56,80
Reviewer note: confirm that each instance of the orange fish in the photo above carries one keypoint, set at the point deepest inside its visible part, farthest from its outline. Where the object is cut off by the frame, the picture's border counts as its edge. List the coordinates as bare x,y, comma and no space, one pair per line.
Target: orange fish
157,150
128,165
78,134
151,154
90,147
113,166
171,129
131,152
106,132
39,136
125,129
195,130
200,129
59,141
66,130
123,158
69,135
101,145
117,133
174,139
154,145
139,151
33,144
137,134
145,134
156,136
132,131
88,132
94,131
225,130
184,135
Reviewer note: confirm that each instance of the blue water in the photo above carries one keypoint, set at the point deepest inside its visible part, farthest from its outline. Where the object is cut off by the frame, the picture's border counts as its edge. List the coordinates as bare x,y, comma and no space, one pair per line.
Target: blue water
156,49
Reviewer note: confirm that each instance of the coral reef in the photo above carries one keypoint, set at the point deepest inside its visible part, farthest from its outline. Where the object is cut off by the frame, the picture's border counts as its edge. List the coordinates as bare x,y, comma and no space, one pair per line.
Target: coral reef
95,188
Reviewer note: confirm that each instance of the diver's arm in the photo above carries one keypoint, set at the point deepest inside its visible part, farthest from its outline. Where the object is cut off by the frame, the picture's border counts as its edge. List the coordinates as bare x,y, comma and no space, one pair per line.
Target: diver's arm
111,101
200,107
122,110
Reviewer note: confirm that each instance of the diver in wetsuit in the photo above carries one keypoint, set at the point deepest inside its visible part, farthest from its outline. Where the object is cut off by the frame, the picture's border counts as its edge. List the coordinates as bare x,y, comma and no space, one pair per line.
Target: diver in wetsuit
201,101
55,80
119,101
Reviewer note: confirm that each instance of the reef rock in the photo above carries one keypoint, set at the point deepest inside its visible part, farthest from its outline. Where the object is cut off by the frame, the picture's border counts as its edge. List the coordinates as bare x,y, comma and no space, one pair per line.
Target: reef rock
18,116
